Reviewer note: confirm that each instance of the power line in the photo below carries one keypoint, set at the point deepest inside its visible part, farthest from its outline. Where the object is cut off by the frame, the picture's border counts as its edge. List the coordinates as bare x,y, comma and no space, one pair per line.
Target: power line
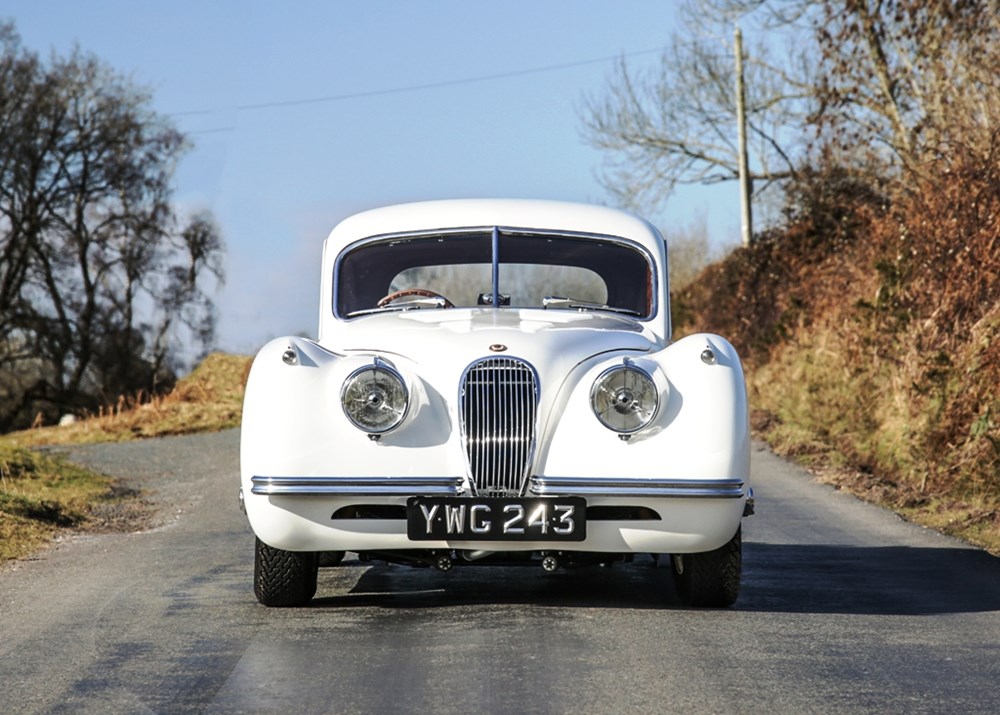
408,88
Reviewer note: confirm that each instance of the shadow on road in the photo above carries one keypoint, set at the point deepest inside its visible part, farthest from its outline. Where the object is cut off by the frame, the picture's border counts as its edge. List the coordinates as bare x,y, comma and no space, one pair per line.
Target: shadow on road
881,580
780,578
641,584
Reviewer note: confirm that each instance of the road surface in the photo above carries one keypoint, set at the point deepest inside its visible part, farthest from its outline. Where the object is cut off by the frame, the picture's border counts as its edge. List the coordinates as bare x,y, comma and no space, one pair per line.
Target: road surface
845,608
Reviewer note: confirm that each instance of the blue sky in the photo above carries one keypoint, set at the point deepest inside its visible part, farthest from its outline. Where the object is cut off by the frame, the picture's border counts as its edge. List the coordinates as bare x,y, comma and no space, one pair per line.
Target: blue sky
279,177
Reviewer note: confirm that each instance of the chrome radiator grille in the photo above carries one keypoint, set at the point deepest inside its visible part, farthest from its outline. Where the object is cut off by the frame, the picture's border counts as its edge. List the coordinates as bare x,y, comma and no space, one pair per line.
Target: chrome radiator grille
498,403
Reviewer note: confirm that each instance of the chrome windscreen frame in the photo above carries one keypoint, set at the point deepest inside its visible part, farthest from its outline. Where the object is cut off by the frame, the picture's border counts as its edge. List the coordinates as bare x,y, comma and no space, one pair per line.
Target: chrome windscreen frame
495,232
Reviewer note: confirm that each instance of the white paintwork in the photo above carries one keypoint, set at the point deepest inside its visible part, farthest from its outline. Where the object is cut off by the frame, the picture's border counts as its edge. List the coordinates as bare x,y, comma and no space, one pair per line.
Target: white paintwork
293,423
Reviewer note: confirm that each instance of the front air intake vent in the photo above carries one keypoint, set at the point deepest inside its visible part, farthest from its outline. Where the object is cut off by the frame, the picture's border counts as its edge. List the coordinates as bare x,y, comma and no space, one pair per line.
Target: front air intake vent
499,399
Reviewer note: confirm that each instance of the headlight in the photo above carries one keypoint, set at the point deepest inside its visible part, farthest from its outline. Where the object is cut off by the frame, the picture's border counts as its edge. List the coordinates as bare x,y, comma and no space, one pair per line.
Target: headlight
374,398
624,398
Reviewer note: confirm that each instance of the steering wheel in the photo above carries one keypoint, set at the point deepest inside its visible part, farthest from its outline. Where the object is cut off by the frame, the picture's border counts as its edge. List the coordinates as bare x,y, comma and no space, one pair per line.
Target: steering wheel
423,292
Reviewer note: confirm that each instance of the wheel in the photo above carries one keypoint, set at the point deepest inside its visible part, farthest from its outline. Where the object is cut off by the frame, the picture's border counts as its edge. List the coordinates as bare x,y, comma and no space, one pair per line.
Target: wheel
710,579
423,292
284,578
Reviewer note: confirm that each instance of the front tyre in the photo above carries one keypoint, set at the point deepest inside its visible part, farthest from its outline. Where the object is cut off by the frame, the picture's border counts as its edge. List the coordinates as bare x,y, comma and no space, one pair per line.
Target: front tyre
284,578
710,579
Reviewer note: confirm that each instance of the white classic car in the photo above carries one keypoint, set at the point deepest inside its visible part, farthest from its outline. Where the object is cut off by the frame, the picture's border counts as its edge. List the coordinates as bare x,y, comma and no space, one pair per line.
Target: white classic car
494,381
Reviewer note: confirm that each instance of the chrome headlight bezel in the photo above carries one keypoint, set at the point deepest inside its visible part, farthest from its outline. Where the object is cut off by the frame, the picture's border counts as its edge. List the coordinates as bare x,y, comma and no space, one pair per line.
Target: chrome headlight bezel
633,393
384,389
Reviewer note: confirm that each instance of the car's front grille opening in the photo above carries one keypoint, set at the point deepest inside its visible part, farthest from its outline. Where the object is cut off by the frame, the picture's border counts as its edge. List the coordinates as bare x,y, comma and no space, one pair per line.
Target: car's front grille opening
621,513
370,511
498,405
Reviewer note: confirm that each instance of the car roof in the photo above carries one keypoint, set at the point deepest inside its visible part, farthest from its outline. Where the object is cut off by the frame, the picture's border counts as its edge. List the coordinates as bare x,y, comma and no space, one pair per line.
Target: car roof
428,216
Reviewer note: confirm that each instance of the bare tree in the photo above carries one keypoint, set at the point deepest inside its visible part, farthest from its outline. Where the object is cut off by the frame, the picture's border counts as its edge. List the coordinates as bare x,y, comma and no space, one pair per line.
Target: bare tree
868,85
98,276
677,124
908,78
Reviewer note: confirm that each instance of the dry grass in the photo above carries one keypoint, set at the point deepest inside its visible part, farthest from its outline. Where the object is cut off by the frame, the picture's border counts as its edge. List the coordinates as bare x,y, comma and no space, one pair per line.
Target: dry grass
208,399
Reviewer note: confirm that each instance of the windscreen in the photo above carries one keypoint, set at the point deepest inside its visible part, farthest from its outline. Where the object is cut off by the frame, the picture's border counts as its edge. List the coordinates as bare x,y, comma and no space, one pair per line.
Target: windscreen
534,271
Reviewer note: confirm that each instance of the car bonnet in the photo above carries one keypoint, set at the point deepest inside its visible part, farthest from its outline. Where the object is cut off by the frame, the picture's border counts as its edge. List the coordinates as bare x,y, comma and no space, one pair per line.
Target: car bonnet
544,338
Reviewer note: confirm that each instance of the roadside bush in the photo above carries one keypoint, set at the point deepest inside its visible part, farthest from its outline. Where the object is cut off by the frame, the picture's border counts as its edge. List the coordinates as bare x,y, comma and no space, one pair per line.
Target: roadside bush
869,325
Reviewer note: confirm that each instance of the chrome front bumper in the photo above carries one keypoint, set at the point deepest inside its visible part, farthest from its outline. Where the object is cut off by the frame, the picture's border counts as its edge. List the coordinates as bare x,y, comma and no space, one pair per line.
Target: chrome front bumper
635,487
537,486
360,486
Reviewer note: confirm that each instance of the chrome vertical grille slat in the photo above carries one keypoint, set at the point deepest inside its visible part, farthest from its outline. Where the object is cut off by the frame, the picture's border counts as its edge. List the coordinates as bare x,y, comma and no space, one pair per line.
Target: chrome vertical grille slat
499,398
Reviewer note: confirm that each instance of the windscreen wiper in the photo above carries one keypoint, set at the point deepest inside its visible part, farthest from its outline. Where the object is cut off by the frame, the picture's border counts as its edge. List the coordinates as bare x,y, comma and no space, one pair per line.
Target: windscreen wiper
553,301
405,305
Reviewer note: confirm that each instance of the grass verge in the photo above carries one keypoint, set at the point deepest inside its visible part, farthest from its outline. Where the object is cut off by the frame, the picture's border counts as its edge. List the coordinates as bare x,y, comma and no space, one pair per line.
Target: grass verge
42,496
850,434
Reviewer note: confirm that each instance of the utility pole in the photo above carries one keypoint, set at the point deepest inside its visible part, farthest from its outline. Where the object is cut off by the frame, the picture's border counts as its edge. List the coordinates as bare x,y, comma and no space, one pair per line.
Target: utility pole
746,217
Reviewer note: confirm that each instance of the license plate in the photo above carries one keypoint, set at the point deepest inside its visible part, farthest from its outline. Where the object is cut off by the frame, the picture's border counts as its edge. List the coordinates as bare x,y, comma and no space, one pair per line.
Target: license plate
496,519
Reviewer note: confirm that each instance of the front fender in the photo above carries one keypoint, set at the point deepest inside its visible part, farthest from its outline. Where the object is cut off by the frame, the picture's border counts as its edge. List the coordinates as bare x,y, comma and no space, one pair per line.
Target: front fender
294,424
701,430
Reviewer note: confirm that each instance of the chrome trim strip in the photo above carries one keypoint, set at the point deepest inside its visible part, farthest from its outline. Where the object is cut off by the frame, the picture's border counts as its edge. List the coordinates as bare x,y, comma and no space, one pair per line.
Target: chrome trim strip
360,486
635,487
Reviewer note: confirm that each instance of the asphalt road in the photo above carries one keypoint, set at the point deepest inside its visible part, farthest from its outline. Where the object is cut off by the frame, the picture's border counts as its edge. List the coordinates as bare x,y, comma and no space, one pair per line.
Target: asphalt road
845,608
